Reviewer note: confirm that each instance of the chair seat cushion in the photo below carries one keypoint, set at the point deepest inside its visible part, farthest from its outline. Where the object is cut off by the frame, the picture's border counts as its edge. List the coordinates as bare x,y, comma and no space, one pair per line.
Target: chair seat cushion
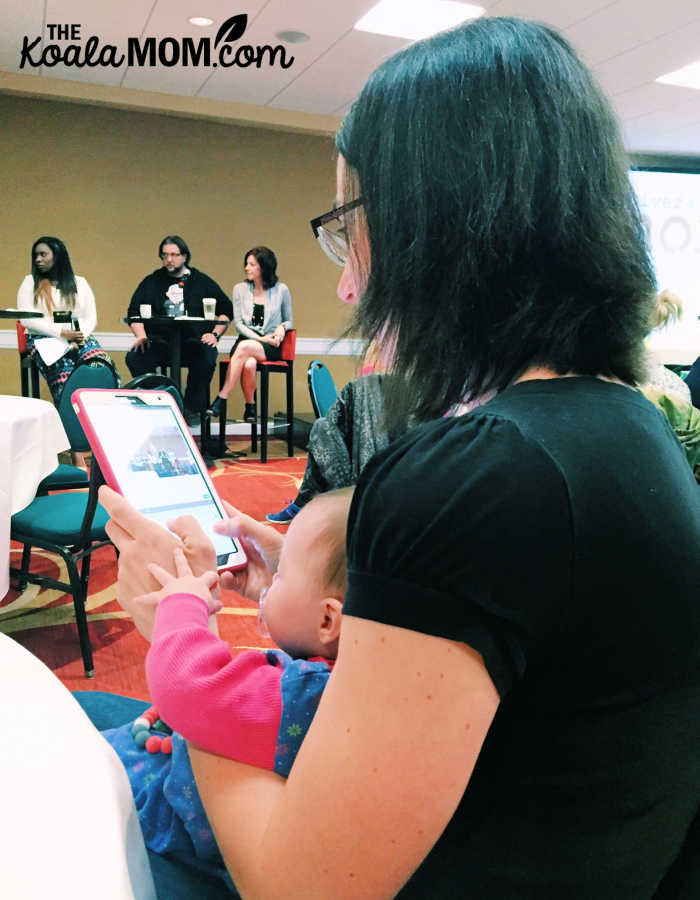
73,476
58,518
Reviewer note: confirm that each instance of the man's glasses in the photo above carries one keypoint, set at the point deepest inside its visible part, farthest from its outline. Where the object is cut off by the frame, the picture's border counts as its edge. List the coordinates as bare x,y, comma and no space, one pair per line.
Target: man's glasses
331,233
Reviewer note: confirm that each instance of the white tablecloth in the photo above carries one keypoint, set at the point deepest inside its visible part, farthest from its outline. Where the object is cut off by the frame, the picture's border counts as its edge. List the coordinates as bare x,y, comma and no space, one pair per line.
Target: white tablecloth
68,825
31,436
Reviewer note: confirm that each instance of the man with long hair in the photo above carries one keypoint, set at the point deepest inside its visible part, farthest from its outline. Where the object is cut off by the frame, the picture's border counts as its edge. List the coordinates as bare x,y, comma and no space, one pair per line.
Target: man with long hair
177,288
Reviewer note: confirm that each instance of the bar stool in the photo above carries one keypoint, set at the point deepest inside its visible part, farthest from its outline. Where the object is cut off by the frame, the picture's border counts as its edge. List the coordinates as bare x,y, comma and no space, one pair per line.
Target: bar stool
27,366
284,366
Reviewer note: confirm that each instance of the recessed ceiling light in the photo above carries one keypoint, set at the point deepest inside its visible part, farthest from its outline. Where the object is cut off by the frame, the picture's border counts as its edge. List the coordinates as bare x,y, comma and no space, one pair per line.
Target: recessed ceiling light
200,21
292,37
688,76
416,20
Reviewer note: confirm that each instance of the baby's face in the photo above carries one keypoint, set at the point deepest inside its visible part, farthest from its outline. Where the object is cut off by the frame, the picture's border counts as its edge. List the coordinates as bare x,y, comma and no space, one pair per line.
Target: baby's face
291,609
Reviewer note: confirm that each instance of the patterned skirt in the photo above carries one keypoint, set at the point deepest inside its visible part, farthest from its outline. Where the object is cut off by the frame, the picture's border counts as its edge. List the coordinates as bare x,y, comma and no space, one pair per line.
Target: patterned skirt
58,373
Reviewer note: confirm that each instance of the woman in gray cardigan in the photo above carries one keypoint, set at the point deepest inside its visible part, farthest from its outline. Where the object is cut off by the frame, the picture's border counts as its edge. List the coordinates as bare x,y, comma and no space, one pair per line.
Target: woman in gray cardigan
262,313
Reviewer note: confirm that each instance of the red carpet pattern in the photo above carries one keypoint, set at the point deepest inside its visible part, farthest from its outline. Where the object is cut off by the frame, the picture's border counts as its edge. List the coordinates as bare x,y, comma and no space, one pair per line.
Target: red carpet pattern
42,620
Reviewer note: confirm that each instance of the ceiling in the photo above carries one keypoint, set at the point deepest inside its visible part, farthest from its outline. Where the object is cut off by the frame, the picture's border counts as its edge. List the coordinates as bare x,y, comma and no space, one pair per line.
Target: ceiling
627,42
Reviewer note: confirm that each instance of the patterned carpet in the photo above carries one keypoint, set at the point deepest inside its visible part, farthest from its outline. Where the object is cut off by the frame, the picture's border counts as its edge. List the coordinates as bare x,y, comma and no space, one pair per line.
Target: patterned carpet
43,620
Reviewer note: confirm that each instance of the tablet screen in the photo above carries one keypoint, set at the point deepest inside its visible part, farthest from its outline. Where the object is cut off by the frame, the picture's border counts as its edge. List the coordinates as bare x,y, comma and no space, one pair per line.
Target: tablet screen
154,466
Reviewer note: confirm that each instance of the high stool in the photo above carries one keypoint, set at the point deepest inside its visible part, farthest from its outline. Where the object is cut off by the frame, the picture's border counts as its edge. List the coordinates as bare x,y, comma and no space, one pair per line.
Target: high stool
285,366
27,366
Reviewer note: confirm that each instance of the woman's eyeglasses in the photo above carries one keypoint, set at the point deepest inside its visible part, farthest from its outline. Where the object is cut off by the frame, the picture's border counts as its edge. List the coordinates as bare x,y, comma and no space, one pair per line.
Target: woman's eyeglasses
331,233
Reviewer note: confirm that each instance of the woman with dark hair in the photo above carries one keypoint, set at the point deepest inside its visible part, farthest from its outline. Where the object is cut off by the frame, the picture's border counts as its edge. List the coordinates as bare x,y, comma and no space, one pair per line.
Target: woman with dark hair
262,313
52,286
514,709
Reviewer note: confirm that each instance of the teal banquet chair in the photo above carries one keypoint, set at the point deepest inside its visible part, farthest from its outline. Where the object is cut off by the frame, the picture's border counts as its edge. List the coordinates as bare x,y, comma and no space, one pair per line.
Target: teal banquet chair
70,524
66,477
154,381
321,388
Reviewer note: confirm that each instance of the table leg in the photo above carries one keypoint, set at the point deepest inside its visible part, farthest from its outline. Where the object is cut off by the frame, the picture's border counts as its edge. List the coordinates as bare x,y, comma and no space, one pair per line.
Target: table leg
175,356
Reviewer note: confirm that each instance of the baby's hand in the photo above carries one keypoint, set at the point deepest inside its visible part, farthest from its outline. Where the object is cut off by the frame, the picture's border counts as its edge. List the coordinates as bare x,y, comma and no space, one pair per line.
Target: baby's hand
186,582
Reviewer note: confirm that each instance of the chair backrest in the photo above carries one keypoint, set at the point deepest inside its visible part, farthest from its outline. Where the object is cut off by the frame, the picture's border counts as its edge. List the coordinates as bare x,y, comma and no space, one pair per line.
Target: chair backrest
21,338
152,381
321,387
289,345
95,374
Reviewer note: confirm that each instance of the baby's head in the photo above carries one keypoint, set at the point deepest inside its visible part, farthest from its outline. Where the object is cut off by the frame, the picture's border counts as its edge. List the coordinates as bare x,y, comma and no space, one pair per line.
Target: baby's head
667,308
303,605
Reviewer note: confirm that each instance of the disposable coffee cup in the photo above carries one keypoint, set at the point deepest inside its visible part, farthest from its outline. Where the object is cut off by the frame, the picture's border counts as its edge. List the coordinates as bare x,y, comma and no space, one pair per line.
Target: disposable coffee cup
145,310
209,307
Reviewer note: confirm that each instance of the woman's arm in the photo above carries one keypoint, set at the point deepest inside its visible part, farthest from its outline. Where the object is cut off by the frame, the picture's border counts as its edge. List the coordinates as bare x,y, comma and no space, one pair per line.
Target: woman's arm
238,312
286,307
403,720
25,300
85,307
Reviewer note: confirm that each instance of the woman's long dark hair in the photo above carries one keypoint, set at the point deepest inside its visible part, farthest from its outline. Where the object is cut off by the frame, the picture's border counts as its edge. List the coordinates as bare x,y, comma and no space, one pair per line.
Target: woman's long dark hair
267,262
503,228
61,273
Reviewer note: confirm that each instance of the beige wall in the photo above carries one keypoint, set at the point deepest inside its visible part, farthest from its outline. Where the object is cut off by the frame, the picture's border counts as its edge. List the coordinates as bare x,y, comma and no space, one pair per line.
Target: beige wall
111,182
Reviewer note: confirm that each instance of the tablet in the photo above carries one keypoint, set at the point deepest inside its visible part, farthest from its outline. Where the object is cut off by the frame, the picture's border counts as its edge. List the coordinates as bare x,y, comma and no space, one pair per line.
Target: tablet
147,453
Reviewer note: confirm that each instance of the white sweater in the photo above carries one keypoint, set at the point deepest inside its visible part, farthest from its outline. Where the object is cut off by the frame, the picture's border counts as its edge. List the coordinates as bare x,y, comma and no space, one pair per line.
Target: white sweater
85,308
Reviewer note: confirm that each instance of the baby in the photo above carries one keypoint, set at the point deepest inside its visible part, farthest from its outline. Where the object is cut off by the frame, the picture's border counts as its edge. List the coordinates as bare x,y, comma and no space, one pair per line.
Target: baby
255,707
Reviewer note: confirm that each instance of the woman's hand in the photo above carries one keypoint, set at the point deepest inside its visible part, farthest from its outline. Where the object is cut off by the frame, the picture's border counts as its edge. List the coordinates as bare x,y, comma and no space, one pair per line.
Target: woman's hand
274,337
140,542
262,545
76,336
184,582
199,550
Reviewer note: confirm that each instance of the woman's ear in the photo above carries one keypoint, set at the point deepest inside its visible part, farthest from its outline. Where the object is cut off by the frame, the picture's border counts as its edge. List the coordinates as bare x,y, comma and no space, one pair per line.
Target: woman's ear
331,615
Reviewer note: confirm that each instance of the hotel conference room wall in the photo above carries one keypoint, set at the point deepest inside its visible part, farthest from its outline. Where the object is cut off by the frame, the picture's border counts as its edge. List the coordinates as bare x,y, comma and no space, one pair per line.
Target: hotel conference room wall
111,183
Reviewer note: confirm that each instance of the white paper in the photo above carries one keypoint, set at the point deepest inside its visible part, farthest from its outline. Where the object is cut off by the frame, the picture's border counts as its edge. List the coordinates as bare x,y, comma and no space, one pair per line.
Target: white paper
50,349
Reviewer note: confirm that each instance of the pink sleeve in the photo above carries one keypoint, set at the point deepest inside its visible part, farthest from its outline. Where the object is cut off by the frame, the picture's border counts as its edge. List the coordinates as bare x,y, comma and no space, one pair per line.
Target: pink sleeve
228,705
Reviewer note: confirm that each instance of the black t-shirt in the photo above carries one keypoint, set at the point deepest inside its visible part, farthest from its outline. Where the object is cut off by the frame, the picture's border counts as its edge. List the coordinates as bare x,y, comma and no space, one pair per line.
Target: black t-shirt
556,530
195,286
258,317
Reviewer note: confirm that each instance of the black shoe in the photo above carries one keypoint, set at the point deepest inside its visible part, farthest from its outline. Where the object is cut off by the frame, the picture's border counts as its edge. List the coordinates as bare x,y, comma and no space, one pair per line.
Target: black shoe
249,414
217,408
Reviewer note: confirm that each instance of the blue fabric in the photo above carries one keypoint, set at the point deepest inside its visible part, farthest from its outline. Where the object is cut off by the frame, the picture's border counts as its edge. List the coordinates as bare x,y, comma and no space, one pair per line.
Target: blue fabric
302,684
171,815
170,811
109,710
174,878
285,515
